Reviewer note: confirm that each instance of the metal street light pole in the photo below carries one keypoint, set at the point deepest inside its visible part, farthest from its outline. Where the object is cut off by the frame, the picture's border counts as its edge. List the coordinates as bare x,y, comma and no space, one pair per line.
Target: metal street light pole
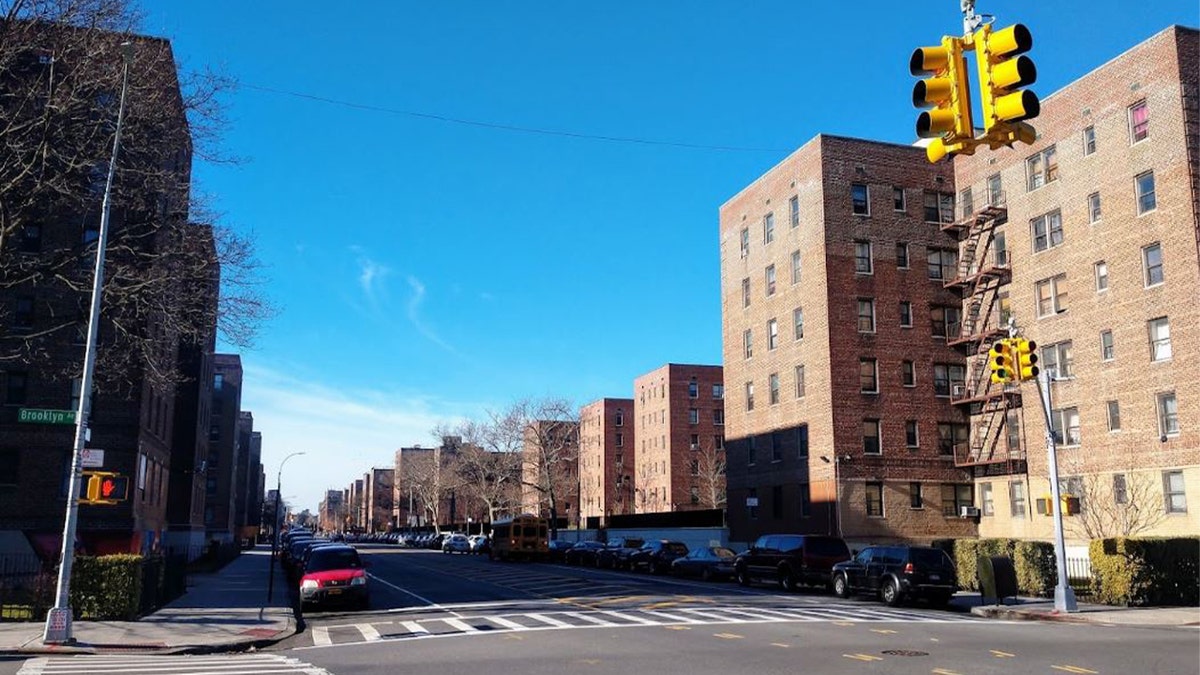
58,619
276,518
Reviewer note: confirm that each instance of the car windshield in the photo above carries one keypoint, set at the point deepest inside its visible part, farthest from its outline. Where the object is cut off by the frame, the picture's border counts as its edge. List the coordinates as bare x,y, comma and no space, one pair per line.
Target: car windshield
722,552
675,547
930,557
335,559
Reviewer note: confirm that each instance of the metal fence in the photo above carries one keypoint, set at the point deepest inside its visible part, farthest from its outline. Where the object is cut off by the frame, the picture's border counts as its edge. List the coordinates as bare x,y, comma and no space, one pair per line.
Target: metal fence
28,585
1079,575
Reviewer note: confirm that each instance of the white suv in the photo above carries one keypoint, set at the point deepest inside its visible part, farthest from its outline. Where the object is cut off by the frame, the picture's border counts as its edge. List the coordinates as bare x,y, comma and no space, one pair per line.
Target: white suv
456,543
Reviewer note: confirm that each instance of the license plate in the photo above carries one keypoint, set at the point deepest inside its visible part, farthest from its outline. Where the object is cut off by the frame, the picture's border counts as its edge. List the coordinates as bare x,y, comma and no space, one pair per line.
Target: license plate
334,591
935,577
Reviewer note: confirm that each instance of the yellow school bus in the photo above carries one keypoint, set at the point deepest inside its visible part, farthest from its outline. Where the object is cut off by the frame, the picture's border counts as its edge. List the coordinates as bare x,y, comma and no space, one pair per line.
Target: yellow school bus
524,537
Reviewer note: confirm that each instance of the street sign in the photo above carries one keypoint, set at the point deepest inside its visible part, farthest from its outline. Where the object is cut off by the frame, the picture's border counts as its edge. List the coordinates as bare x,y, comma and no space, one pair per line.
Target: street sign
92,458
751,501
41,416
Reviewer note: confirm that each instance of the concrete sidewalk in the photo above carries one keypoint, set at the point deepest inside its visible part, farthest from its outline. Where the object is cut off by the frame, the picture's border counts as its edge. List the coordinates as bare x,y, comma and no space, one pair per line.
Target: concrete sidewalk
1042,609
223,611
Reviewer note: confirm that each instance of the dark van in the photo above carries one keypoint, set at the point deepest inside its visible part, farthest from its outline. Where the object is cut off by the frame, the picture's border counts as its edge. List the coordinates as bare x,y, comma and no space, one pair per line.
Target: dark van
791,560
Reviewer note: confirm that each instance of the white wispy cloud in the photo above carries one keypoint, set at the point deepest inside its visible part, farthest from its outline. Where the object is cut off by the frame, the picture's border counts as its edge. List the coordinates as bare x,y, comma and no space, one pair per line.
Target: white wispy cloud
415,301
343,432
372,279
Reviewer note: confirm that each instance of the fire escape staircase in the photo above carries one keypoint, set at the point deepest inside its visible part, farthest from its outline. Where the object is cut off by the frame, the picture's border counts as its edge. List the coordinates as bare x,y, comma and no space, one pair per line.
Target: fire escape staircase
980,275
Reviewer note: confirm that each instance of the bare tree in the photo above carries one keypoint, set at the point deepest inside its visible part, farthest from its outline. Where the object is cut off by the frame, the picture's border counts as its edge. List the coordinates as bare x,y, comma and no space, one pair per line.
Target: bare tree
488,467
548,430
1115,505
60,78
710,475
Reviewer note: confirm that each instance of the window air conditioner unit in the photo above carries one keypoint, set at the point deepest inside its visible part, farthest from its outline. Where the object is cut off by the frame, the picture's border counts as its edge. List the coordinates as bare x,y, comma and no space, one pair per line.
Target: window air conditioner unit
968,512
959,390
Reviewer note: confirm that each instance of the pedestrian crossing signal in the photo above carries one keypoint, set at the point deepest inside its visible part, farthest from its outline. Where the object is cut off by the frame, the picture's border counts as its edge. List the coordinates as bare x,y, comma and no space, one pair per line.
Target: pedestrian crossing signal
105,488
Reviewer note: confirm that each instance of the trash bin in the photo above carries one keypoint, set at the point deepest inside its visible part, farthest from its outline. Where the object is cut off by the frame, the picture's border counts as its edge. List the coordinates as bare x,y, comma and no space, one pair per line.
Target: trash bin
997,578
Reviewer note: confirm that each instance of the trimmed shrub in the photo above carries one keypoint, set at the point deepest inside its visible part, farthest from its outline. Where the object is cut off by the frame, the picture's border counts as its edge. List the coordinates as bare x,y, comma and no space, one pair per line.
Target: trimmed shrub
106,587
1139,572
1032,560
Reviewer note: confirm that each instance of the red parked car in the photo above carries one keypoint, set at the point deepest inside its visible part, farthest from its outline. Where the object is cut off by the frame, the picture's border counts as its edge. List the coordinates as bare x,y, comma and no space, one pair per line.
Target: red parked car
334,575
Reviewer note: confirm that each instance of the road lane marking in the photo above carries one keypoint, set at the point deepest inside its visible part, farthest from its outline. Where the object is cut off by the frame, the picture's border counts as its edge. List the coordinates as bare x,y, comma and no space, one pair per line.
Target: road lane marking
883,631
629,617
513,625
550,620
842,623
368,632
1001,655
944,671
459,624
320,636
728,636
1075,669
863,657
677,627
407,592
414,627
589,619
670,617
780,644
711,615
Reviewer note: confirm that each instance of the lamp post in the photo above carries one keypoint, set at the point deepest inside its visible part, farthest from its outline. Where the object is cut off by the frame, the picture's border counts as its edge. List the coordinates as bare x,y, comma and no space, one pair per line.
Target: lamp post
277,518
58,619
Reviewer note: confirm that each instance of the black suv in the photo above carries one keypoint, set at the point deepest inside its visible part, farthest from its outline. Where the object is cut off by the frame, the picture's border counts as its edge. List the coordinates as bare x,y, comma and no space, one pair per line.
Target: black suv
791,560
897,573
657,556
616,553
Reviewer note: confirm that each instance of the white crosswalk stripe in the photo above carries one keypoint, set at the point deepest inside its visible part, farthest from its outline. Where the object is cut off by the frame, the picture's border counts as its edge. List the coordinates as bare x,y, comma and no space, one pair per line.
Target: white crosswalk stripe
135,664
493,621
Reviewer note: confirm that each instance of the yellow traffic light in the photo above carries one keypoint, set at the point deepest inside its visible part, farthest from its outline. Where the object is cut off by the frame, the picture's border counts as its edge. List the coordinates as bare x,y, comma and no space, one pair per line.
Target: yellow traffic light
1002,71
947,93
1000,360
1025,358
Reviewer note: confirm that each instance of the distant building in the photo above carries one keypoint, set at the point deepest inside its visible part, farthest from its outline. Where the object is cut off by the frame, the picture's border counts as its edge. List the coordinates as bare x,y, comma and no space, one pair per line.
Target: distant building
607,456
331,511
679,413
380,499
550,470
221,496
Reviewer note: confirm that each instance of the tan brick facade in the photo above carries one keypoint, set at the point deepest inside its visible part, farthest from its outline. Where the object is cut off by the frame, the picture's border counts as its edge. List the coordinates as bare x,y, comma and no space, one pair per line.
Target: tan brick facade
607,451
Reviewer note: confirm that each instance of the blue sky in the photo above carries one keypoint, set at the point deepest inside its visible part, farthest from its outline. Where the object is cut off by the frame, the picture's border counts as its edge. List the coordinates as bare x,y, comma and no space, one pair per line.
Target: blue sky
429,270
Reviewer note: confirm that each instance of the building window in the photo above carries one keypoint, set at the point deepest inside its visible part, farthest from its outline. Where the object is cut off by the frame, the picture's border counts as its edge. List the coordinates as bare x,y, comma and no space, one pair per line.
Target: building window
1120,489
794,204
746,292
1065,423
693,416
718,416
751,452
871,444
1056,359
1160,339
868,376
995,193
770,274
967,200
939,207
719,442
693,389
1152,264
1139,122
911,438
23,313
908,374
1089,140
745,240
798,323
777,502
1168,415
915,499
946,376
1000,246
718,391
748,343
866,315
1174,494
752,503
768,228
796,267
16,388
799,381
1041,168
987,503
862,258
947,322
952,438
805,501
772,334
874,495
1047,231
1016,498
620,440
898,202
1101,276
749,396
773,384
1051,296
860,200
902,255
1106,345
1145,192
905,314
619,418
1114,415
955,496
1094,207
802,440
942,263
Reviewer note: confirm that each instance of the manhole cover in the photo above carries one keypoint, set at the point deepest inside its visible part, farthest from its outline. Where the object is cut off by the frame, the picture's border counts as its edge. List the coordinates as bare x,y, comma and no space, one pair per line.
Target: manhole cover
904,652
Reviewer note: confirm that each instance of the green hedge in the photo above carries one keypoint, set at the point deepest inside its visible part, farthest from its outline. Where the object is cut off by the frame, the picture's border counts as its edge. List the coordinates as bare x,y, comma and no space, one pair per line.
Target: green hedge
1033,561
1146,571
107,587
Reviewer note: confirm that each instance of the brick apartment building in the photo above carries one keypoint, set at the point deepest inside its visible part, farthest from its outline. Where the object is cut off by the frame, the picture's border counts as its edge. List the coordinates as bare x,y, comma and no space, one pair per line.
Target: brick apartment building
331,510
1089,240
607,455
835,324
220,509
379,499
47,252
550,470
679,415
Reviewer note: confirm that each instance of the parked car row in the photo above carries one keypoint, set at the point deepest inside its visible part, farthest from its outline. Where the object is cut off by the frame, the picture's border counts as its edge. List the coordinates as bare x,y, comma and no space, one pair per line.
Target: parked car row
893,573
327,572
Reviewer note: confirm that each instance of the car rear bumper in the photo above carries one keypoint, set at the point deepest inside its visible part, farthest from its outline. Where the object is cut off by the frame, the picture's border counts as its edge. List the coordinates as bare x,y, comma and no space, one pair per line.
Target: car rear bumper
910,588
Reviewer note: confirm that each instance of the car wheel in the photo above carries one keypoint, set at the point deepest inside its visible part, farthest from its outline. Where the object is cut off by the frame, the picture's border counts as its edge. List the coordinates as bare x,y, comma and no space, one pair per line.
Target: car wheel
706,574
743,577
890,593
788,581
841,587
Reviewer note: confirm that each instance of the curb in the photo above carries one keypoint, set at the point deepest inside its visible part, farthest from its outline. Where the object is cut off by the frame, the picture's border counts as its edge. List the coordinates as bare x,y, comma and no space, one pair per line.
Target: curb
1026,615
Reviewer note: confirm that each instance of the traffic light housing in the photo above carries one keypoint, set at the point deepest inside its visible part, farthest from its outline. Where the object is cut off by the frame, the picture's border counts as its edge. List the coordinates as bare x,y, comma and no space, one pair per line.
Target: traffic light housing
948,95
1000,360
1003,70
1025,358
105,488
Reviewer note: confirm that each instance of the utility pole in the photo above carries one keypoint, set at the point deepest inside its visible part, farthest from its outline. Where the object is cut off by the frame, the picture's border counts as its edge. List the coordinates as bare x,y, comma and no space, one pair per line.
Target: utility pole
1064,595
58,619
278,518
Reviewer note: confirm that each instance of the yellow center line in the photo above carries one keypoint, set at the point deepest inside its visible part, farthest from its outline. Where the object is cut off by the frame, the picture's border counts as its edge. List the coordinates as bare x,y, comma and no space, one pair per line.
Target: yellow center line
780,644
728,636
944,671
863,657
883,631
1075,669
677,627
843,623
1001,655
